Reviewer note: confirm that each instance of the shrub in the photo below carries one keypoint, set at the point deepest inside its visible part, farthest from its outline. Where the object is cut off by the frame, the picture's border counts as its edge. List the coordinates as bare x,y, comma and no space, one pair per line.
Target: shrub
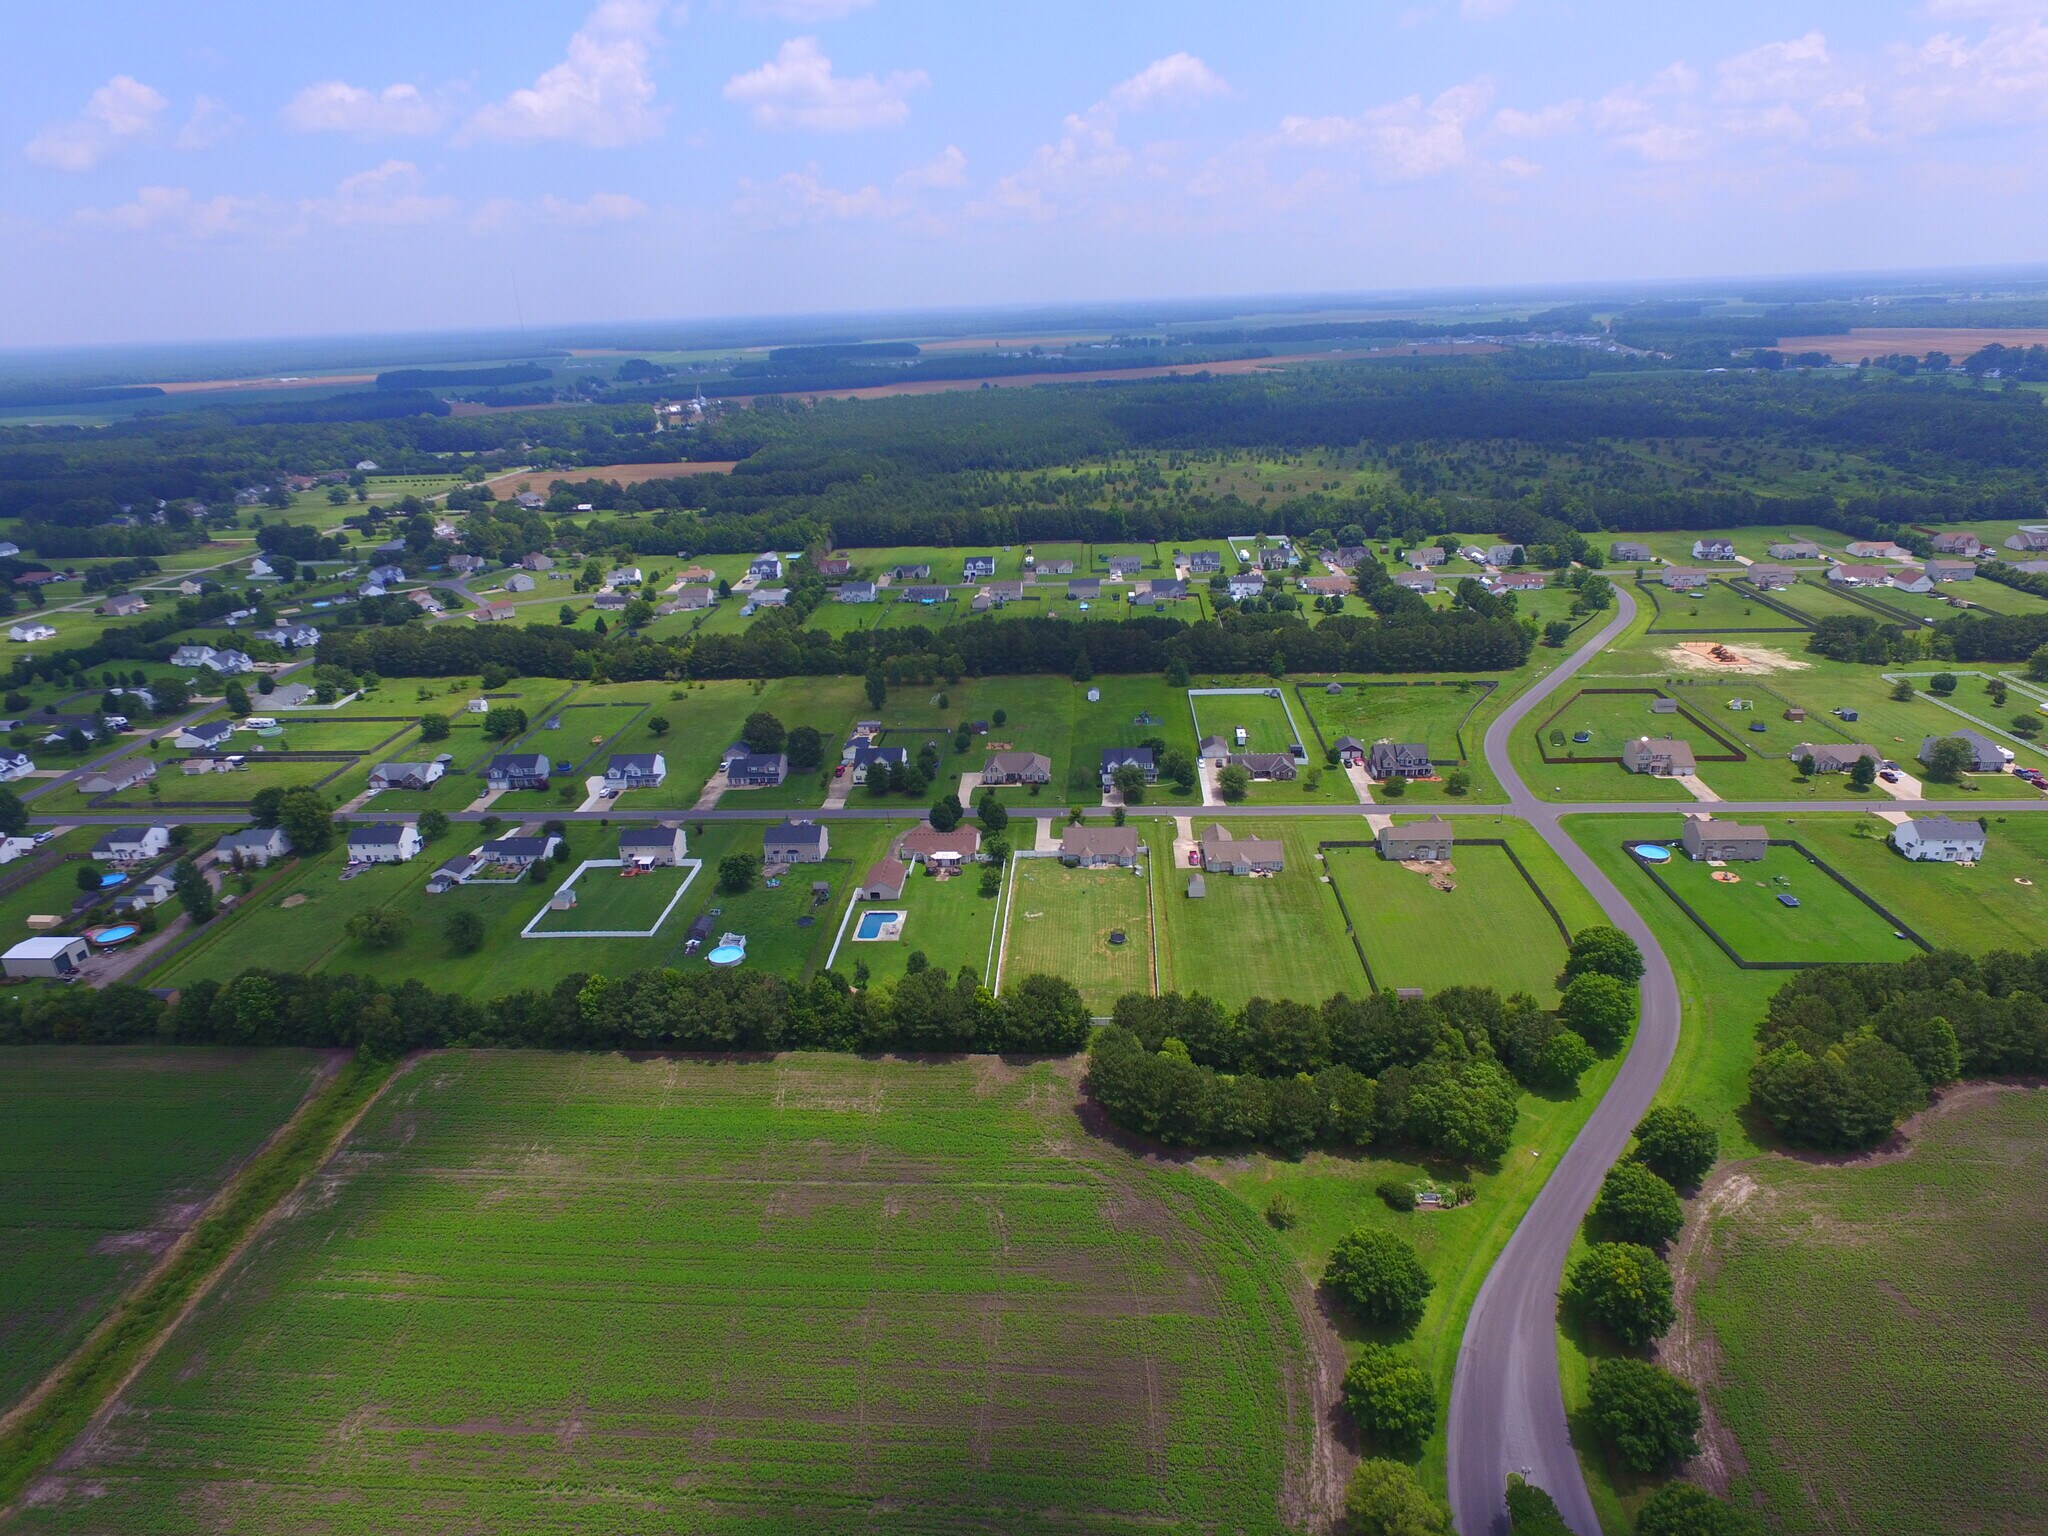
1676,1144
1625,1289
1385,1499
1393,789
1390,1397
465,933
1233,783
1398,1196
1637,1206
1531,1511
433,727
378,929
1563,1059
1283,1214
1647,1416
1682,1509
1605,951
737,872
1380,1276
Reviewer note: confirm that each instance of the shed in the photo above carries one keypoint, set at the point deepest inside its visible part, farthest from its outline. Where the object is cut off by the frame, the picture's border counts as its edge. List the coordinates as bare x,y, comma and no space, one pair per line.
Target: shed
47,956
1197,887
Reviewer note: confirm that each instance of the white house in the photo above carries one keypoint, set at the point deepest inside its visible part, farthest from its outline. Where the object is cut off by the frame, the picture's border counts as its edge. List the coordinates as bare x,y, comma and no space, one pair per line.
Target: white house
205,735
15,765
194,656
1940,839
256,846
624,576
635,770
31,632
384,843
228,663
132,845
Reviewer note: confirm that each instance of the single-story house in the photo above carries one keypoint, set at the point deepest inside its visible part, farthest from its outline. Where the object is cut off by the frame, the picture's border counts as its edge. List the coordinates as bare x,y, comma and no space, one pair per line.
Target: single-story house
1516,581
112,781
1094,847
635,770
1706,838
454,872
127,605
1986,755
1769,578
1713,549
1399,760
1126,565
1660,756
1326,586
1629,550
1876,549
406,775
756,770
1415,581
1017,768
1085,588
927,845
769,597
291,636
1835,756
254,846
1684,579
796,842
1951,570
1142,758
46,956
424,600
925,595
609,602
31,632
519,852
864,758
206,734
518,770
1940,839
520,583
1417,842
1052,568
386,842
1910,578
1795,549
852,591
131,845
910,573
1161,590
652,846
1264,765
143,894
884,881
493,613
1859,575
1222,853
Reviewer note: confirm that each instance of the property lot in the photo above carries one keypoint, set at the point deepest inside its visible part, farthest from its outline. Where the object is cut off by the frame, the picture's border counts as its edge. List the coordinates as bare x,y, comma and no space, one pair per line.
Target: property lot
1430,711
948,921
1611,720
1263,718
1719,607
827,1283
616,900
1061,920
1490,930
108,1154
1828,925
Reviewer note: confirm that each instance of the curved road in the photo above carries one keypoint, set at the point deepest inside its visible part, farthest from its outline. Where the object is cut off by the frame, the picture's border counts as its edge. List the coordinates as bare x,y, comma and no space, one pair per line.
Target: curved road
1507,1406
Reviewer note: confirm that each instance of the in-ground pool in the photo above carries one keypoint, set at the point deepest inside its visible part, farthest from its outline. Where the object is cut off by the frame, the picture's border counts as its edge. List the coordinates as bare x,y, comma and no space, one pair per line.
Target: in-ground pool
1652,853
874,926
108,882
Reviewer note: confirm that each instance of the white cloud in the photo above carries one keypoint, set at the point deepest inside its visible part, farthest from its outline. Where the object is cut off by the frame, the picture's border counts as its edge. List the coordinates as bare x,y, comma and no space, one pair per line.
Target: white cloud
211,123
797,89
1405,140
806,13
1951,81
945,170
1179,79
800,197
1543,123
175,211
123,109
602,94
1793,67
335,106
598,210
386,195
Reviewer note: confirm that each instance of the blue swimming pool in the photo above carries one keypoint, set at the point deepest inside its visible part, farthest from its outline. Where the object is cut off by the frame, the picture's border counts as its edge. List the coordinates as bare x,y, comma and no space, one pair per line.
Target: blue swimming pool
1651,853
108,882
873,924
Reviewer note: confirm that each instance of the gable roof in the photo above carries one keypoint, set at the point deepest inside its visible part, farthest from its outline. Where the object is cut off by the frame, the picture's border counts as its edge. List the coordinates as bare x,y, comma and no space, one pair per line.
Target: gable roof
1100,842
795,834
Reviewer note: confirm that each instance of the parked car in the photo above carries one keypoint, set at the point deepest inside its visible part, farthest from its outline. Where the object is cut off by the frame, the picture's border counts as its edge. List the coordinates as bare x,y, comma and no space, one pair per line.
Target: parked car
1888,776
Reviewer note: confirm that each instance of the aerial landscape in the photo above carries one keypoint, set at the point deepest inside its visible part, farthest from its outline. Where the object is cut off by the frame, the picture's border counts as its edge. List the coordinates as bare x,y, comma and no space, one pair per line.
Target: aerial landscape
815,765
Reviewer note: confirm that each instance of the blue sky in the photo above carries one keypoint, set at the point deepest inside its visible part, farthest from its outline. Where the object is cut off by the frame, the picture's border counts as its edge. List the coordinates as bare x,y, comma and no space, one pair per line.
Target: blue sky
224,168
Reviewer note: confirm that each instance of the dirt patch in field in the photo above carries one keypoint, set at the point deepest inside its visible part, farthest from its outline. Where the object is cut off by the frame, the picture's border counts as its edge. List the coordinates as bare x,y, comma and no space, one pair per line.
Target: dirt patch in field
1742,660
1888,341
624,474
296,899
1689,1350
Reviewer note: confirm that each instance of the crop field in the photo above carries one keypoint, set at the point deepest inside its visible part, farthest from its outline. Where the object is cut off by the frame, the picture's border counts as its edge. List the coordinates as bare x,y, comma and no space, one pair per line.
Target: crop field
735,1297
1278,936
1060,920
1264,719
1490,931
1877,1351
610,900
109,1154
1828,926
1720,606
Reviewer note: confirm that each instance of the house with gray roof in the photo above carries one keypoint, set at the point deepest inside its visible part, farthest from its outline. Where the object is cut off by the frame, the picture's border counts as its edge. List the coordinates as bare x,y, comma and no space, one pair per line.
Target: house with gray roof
1630,552
1399,760
1730,842
1224,854
1938,839
1835,756
1017,768
1421,842
1096,847
254,847
1264,765
1142,758
1769,578
1986,755
1660,756
796,842
652,846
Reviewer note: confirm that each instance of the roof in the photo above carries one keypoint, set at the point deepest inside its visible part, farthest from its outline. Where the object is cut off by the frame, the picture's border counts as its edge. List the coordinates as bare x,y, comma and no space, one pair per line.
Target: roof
1260,850
796,834
1116,757
1434,830
648,837
1729,831
48,948
1945,829
211,730
252,837
637,762
1100,842
886,875
518,762
1015,762
927,839
122,835
1261,762
382,834
517,847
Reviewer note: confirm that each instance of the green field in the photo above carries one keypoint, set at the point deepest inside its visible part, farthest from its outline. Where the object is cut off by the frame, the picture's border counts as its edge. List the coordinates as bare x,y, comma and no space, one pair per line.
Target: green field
808,1293
1490,931
1721,606
1255,937
948,921
109,1153
1828,926
1060,919
1264,720
1613,720
609,900
1875,1332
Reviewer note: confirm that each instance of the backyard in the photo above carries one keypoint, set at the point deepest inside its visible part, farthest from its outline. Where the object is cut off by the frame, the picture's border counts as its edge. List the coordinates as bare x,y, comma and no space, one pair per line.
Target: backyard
1063,921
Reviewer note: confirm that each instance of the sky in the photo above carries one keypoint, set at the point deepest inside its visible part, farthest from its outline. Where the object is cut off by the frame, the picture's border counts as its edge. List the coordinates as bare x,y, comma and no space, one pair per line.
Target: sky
228,168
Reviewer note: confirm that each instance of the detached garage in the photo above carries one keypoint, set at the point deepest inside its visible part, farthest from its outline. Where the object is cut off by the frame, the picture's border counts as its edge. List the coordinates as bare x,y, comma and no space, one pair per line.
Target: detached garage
45,957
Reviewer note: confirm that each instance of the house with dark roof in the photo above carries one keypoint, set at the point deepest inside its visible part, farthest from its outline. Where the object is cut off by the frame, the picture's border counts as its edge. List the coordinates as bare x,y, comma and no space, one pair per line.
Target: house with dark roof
864,758
1264,765
1214,749
796,842
1834,756
1938,839
1399,760
1663,757
652,846
406,775
131,845
1986,755
1416,842
910,573
1629,551
1728,841
518,770
635,770
756,770
1160,590
1142,758
1017,768
977,567
1225,854
1204,562
1125,565
1503,554
1350,751
925,595
204,736
1095,847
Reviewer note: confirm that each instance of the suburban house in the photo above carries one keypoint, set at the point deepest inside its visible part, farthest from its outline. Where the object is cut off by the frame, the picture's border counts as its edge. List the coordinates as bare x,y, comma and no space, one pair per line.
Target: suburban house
518,770
1417,842
1244,585
910,573
1713,549
466,565
1222,853
1016,768
1275,559
194,656
387,842
1168,591
1125,565
977,567
1095,847
15,765
518,852
1415,581
1348,557
1795,549
1876,549
1859,575
1940,839
652,847
233,663
1204,562
938,850
630,576
205,735
796,842
405,775
1706,838
1516,581
386,575
769,597
1423,556
493,613
925,595
1629,550
883,881
520,583
635,770
127,605
1910,578
852,591
1769,578
1264,765
832,567
537,562
1968,545
1087,588
1951,570
1835,756
1399,760
1326,586
1661,756
291,636
1986,755
1142,758
1350,752
1051,567
131,845
255,847
1684,579
609,602
865,758
690,599
31,631
424,600
766,567
756,770
120,776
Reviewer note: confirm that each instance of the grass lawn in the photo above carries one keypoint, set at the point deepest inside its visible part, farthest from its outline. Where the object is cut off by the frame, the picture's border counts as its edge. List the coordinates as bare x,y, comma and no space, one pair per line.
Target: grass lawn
612,900
1060,919
1720,607
1430,713
1264,720
1281,936
46,890
109,1153
828,1284
948,921
1491,930
1828,926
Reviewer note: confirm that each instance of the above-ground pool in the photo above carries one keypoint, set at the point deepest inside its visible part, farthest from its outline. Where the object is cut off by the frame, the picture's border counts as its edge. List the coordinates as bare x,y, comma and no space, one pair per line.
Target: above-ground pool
108,882
1651,853
879,925
114,935
727,954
